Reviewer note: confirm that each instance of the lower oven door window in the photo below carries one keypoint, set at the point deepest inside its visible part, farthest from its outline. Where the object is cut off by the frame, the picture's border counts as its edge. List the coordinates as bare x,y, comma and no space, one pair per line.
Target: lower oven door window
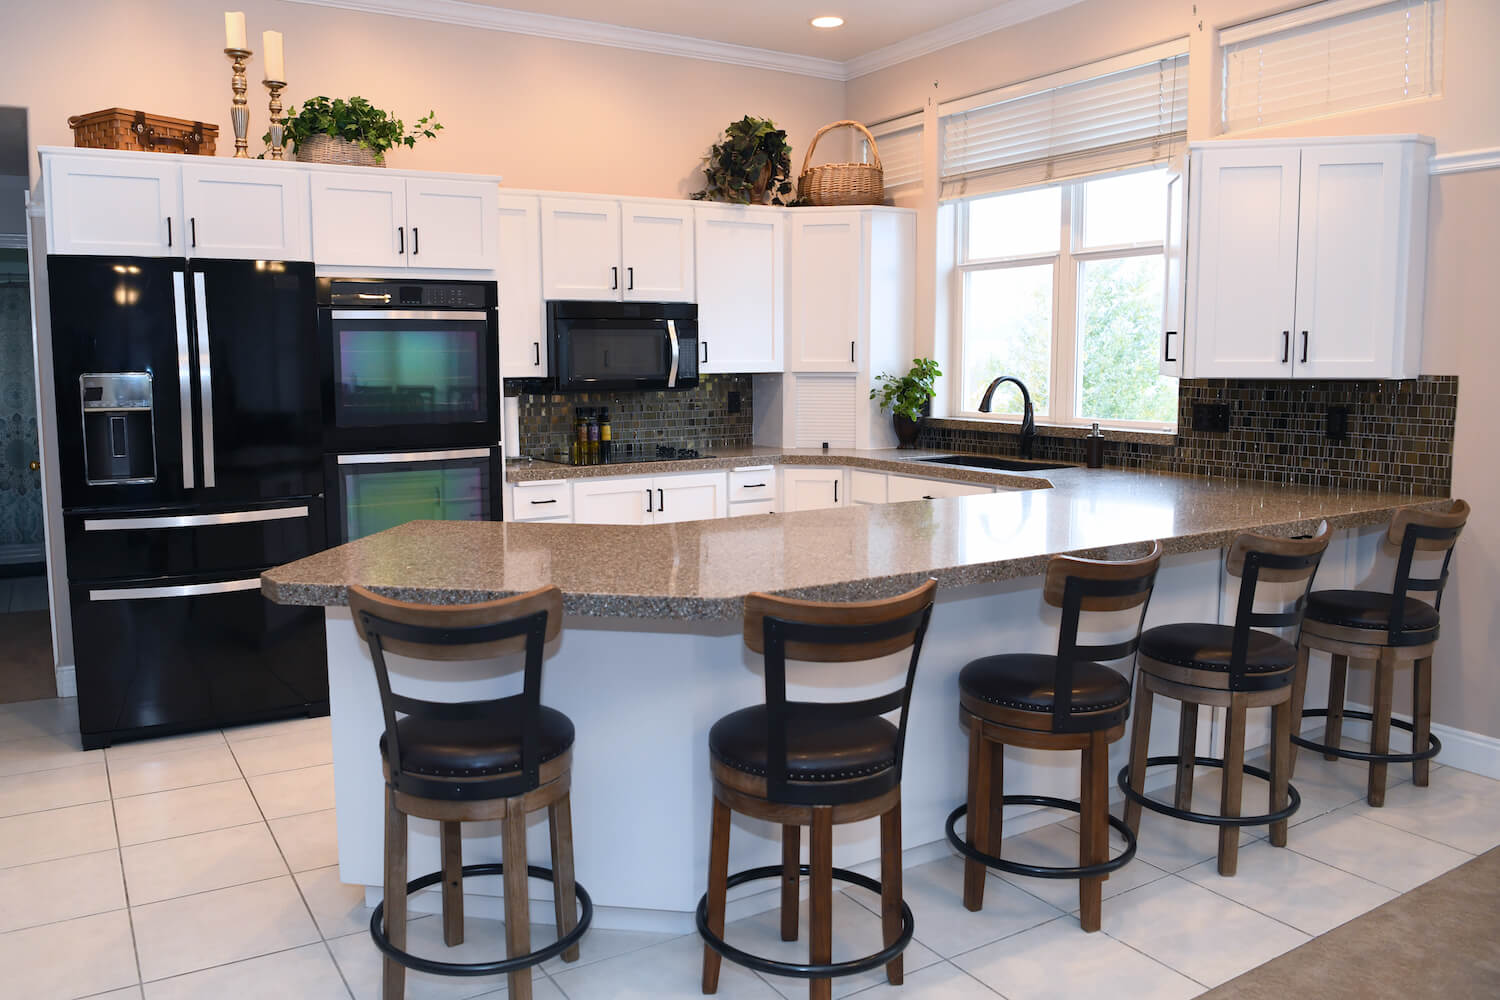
377,492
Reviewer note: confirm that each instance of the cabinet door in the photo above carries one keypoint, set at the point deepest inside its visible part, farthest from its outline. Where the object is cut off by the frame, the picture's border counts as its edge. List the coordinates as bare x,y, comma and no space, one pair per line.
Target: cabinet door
1243,269
741,276
656,249
812,489
698,497
867,487
827,294
244,213
581,249
523,344
615,500
453,224
1348,253
358,220
1174,299
107,206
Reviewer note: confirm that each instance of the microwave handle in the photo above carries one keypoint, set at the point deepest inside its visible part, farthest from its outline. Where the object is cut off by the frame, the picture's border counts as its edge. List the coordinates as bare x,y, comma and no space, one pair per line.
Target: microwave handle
676,353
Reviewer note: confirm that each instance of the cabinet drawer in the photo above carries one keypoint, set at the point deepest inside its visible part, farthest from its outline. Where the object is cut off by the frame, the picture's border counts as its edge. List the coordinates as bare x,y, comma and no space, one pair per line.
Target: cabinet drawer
543,501
902,488
753,507
752,483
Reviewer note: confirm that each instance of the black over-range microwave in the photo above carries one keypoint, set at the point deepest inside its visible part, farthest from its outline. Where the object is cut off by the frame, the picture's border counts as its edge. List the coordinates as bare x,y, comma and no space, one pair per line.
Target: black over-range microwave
623,345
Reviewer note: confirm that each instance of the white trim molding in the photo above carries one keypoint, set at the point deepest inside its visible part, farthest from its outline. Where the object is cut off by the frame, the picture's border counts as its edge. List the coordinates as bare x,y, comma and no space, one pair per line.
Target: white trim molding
1466,162
1465,750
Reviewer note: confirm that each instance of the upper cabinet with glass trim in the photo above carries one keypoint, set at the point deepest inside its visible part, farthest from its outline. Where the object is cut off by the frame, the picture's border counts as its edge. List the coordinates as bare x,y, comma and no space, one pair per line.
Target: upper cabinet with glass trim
1306,259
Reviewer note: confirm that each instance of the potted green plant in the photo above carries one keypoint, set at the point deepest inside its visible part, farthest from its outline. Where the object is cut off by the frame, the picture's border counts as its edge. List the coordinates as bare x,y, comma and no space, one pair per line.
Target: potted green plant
352,131
907,396
751,159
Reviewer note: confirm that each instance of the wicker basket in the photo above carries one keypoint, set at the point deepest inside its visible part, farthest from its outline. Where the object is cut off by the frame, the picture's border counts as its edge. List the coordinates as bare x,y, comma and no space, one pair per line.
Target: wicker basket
842,183
121,128
332,149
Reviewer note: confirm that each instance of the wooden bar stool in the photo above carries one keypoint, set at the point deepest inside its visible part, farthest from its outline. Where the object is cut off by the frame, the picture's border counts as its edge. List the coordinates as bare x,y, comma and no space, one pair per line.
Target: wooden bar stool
1385,630
473,761
815,764
1067,701
1237,667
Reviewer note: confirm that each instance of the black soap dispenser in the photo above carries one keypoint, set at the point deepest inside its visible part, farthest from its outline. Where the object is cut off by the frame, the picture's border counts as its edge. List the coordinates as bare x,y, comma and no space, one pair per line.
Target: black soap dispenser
1093,448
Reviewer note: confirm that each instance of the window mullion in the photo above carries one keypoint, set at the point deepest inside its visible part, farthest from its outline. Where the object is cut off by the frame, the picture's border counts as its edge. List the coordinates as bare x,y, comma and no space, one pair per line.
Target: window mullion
1064,313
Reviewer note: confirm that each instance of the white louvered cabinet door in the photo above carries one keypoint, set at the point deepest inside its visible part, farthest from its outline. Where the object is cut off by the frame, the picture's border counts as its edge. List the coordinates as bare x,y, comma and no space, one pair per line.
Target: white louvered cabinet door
823,411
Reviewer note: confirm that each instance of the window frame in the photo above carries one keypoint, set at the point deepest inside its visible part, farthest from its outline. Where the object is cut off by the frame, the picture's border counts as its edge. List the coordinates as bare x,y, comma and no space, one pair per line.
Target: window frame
1065,376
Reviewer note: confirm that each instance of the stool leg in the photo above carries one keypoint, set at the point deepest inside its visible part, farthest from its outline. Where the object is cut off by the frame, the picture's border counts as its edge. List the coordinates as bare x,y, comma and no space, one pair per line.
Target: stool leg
1299,697
718,878
1093,828
1380,726
820,913
791,879
517,904
1234,780
1333,732
890,888
1281,763
453,882
1187,749
393,974
564,898
1140,739
1421,717
982,782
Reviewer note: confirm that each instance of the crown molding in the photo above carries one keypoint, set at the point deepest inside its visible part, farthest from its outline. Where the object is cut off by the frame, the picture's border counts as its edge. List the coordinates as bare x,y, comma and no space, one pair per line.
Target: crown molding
1463,163
1003,15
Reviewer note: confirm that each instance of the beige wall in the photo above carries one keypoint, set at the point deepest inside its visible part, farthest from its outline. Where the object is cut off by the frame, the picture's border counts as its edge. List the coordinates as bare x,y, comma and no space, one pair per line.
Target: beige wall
542,113
1464,243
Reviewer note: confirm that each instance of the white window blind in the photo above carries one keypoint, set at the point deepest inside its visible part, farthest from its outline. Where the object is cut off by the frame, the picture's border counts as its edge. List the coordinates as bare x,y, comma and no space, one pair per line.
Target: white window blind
900,143
1105,116
1330,57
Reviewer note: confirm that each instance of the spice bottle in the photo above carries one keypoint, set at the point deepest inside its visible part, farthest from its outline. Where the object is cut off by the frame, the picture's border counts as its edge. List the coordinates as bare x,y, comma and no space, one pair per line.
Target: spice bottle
606,445
593,425
580,438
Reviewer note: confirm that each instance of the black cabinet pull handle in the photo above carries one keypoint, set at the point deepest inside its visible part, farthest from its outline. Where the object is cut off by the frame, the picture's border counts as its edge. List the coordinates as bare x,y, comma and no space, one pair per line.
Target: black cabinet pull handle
1304,347
835,491
614,279
630,279
169,230
416,242
661,500
401,239
193,229
544,501
649,508
1166,348
1286,346
705,352
536,345
851,352
928,496
752,486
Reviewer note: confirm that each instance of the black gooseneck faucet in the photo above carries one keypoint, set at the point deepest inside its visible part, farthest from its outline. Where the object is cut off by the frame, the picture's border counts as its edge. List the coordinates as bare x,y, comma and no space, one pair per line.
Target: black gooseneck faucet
1028,415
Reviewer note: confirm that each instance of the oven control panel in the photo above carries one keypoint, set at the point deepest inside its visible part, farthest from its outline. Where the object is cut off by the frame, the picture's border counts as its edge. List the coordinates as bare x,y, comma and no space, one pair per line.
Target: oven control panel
378,293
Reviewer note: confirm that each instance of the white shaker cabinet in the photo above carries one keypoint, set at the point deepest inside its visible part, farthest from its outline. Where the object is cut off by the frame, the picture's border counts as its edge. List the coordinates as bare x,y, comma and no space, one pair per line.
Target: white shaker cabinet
359,219
104,205
1174,273
741,275
614,500
812,488
656,252
580,249
827,290
695,497
453,224
523,324
239,212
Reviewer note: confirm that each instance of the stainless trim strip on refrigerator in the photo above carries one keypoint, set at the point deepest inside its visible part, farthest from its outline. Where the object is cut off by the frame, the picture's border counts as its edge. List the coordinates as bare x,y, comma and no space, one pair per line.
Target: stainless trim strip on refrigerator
676,353
193,520
205,377
184,590
184,376
413,456
381,315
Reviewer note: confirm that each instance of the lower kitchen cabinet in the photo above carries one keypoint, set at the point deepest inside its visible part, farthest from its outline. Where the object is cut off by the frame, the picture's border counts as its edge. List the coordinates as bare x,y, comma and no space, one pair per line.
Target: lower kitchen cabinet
812,488
752,507
649,500
549,500
689,498
901,488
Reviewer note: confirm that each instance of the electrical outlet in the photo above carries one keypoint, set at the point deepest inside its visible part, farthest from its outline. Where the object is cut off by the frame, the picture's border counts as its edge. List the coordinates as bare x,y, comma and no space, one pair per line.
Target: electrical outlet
1336,423
1211,417
734,402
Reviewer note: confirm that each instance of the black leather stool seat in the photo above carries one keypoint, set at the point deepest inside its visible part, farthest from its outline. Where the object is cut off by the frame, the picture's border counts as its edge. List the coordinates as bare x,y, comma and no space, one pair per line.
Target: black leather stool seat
1371,609
1202,646
468,749
837,751
1026,681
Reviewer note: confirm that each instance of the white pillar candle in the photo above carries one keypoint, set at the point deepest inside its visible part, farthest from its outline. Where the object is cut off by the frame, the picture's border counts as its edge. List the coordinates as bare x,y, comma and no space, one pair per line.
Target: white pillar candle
234,29
272,53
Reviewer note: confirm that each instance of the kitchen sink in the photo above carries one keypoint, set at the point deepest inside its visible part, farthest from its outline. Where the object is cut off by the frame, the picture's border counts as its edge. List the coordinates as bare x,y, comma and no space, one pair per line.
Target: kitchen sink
1000,464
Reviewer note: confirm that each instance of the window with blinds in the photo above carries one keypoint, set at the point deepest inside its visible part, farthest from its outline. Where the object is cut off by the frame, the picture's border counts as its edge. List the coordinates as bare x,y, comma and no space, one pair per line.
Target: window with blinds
1119,113
900,144
1330,57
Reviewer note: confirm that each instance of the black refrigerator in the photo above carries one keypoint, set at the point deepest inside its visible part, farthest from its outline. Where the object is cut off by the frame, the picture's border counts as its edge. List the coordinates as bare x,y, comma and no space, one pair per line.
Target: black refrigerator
190,454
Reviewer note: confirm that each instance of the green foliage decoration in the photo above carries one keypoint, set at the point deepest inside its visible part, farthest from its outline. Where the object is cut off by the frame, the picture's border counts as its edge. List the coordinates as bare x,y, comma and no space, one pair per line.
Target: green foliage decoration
355,120
751,159
906,395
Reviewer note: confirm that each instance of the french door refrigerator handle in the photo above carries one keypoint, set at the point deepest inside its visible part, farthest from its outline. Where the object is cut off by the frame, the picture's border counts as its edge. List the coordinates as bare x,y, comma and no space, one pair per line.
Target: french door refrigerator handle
182,590
184,376
205,377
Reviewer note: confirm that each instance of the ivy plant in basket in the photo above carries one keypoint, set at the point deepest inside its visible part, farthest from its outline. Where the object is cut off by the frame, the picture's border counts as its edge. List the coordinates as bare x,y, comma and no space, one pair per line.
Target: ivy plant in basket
355,122
907,397
751,160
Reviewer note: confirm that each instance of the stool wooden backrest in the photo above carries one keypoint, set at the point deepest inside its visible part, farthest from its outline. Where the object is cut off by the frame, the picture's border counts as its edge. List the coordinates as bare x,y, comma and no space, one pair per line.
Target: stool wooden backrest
1258,559
1422,531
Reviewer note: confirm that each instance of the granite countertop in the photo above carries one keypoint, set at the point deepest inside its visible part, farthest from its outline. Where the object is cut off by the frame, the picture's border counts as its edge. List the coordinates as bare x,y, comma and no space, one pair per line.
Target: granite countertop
701,570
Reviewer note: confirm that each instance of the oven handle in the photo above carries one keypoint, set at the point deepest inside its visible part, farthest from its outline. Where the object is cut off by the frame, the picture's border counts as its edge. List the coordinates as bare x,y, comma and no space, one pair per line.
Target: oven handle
413,456
185,590
193,520
676,353
378,315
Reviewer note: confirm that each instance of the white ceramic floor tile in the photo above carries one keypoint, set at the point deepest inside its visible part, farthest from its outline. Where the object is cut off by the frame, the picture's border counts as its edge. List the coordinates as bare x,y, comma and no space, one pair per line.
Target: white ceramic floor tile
1383,854
672,970
298,749
1058,961
49,891
339,909
138,775
309,840
942,981
162,745
484,940
1056,846
42,963
44,753
597,945
301,972
182,811
189,933
288,793
1195,932
45,717
284,729
56,833
1293,888
164,869
1325,785
1173,844
128,993
1457,808
64,786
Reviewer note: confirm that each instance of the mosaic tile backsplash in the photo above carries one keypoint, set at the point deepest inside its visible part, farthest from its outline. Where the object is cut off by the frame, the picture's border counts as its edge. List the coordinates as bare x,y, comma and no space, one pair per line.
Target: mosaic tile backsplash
1399,435
690,418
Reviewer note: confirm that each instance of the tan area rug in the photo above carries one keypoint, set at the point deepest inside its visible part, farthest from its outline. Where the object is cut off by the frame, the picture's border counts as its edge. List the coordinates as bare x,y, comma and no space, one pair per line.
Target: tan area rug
1441,939
26,657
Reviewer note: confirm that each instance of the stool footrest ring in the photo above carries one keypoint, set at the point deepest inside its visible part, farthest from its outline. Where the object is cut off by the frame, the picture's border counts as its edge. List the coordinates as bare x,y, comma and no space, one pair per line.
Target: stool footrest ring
830,970
1043,871
1434,745
436,968
1294,798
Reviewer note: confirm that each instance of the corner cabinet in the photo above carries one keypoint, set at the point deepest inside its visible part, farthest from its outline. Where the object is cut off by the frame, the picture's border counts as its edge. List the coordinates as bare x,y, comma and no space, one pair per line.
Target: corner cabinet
1307,259
373,219
812,488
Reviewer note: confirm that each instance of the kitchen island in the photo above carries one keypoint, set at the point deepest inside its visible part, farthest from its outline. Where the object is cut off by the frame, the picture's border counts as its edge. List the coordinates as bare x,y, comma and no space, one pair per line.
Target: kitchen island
652,655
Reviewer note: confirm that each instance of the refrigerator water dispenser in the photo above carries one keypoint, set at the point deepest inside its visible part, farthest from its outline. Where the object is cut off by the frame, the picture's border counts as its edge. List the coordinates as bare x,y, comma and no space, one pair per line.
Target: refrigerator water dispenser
119,440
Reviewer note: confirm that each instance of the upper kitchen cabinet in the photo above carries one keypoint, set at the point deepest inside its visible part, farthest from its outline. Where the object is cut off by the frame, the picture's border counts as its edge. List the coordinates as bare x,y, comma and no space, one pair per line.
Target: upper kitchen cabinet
523,341
1174,276
741,265
376,219
602,249
1307,259
656,250
453,224
239,212
829,253
114,205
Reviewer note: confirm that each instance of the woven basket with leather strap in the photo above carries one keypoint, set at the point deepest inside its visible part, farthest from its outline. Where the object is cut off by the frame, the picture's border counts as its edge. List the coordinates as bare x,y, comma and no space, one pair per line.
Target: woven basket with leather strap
842,183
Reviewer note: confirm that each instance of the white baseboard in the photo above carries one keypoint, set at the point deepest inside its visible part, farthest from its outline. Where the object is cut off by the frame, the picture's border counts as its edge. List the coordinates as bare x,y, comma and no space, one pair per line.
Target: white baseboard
67,681
1467,751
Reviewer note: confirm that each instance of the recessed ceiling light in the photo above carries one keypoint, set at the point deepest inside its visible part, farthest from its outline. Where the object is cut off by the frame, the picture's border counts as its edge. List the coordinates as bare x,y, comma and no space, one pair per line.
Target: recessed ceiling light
828,21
